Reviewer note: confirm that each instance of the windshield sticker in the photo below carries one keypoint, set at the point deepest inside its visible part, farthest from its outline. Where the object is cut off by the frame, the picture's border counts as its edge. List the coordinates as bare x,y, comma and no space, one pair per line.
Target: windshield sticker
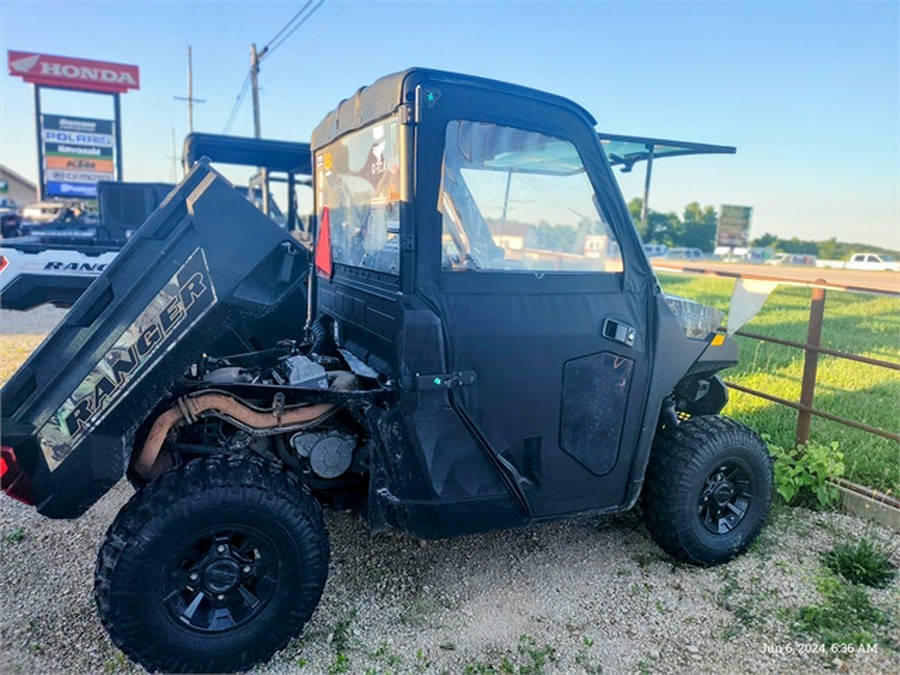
186,297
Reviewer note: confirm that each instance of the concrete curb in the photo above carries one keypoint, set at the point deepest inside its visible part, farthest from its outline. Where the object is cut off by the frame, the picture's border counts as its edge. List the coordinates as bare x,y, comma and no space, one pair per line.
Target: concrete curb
870,504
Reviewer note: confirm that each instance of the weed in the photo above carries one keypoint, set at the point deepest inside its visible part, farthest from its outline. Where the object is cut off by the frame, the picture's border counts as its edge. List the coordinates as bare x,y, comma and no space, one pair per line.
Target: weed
340,634
861,563
341,664
340,640
530,659
115,664
423,663
845,616
15,536
584,659
385,654
803,474
643,560
747,604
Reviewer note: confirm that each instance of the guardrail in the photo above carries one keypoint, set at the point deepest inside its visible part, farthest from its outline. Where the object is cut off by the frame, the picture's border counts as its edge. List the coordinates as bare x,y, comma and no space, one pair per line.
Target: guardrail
812,348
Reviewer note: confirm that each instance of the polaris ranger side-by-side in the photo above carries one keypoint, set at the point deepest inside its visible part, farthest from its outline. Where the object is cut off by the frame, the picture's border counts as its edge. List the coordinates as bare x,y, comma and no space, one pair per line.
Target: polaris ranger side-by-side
478,343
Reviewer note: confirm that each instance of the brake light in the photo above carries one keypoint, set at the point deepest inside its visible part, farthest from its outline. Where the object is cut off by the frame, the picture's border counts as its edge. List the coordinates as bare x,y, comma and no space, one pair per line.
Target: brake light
3,262
12,481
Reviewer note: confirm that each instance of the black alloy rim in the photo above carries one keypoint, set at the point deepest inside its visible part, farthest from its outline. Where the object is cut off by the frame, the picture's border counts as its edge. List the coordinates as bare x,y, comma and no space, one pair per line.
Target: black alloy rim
221,580
725,497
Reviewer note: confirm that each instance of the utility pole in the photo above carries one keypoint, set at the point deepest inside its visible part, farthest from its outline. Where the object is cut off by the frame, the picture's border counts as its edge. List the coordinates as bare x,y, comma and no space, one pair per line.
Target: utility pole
190,93
254,85
174,157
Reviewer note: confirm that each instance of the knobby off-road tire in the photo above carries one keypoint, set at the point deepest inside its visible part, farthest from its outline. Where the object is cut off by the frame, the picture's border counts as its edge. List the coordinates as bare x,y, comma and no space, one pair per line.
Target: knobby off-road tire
708,489
212,567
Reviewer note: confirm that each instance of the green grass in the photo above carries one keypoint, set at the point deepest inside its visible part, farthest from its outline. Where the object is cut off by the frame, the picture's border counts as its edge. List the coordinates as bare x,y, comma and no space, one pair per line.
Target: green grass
861,324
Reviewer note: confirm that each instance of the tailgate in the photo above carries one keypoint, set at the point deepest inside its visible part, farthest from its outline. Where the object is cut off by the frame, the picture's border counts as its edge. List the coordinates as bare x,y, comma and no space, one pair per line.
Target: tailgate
207,261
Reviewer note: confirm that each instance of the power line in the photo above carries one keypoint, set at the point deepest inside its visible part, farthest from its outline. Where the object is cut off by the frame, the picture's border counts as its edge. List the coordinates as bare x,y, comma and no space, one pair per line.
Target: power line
290,27
287,25
237,104
268,50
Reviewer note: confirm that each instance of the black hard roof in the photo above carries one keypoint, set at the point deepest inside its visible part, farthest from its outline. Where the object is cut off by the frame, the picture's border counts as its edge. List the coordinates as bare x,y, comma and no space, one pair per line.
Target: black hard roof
284,156
384,95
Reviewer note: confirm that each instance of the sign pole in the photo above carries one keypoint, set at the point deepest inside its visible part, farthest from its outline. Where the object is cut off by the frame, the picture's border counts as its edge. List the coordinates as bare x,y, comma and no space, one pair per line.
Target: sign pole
40,141
117,115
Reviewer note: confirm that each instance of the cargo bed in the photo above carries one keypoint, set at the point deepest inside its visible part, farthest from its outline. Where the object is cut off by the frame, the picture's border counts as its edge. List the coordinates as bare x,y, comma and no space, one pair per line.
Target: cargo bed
205,263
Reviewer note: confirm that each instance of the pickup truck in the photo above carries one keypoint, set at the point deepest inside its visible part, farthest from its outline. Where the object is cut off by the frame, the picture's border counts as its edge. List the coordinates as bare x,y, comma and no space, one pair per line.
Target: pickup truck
876,262
57,260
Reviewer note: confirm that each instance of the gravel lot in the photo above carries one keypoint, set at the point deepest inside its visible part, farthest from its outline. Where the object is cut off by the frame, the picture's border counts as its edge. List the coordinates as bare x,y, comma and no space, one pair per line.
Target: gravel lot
591,596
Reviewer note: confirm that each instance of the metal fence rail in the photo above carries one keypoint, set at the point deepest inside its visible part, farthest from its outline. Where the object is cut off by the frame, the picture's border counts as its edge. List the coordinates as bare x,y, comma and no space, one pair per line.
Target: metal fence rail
812,349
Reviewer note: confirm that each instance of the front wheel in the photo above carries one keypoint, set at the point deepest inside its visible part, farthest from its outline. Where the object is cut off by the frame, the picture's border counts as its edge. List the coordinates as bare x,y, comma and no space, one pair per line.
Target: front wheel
212,567
708,489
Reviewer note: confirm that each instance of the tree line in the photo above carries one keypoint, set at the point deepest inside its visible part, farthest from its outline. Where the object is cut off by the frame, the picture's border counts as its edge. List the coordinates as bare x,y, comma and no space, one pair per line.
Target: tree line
696,228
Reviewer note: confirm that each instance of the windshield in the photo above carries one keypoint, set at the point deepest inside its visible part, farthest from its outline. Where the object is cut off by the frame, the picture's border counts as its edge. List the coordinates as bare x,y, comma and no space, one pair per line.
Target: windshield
518,200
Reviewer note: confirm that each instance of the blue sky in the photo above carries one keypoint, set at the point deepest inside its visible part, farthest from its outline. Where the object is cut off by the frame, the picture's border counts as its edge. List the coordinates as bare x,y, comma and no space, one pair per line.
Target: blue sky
807,91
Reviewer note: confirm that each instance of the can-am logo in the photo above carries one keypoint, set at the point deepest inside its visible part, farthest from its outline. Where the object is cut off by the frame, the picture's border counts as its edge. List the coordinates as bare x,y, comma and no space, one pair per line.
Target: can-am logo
63,71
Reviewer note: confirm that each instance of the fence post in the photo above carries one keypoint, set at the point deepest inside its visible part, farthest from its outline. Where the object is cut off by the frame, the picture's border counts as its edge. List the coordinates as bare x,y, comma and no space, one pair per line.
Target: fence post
811,362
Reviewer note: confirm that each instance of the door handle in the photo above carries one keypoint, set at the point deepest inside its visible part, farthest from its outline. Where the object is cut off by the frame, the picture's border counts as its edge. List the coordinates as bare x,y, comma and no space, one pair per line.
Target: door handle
620,332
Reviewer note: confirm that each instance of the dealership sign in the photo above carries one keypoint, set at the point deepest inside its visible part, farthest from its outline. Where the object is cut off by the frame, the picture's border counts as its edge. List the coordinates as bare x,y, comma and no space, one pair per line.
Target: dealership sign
71,73
78,154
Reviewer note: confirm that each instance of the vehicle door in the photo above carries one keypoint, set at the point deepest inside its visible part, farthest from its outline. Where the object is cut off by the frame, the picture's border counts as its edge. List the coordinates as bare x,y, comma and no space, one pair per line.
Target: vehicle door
550,347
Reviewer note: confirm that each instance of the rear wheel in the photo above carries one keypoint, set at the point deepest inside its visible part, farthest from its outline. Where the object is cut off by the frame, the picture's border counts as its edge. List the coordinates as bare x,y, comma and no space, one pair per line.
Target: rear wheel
708,489
213,567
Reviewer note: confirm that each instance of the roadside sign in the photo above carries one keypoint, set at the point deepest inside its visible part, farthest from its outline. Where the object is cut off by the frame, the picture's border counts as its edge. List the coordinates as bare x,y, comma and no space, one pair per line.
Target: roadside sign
71,73
78,153
734,225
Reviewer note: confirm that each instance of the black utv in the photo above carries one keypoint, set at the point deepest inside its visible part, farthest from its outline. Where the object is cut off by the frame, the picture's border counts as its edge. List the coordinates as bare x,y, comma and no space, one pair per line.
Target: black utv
477,341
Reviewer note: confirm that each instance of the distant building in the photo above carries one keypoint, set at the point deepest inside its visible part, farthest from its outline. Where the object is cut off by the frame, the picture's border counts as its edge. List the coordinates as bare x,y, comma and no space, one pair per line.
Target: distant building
18,188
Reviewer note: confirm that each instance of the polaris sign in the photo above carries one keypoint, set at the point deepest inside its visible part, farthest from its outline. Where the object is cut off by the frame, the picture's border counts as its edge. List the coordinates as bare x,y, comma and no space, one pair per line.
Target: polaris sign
72,149
71,73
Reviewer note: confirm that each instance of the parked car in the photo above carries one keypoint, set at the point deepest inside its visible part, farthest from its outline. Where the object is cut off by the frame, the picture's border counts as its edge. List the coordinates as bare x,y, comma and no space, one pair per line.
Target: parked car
873,261
656,250
10,220
792,259
683,253
47,211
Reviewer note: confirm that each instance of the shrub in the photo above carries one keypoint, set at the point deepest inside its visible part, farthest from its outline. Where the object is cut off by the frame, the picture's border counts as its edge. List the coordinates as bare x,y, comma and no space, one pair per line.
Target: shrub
862,563
802,474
